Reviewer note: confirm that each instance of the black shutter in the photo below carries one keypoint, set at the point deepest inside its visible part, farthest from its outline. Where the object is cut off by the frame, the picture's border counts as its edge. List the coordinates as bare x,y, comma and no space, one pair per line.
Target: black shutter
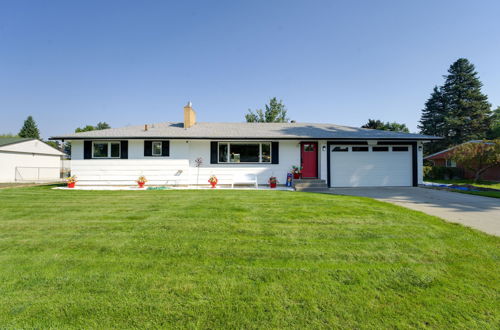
165,148
124,149
213,152
87,149
275,152
148,148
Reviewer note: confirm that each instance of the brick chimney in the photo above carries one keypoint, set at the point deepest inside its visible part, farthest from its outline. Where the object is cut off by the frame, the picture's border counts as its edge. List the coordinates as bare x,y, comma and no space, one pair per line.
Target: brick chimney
189,115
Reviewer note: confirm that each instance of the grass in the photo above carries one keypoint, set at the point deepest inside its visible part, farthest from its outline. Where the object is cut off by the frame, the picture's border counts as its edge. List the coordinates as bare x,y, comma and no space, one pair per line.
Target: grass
481,184
237,259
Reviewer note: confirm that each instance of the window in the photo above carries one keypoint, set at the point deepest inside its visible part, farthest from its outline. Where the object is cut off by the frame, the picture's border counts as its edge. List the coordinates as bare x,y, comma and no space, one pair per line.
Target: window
266,152
340,149
357,149
223,151
106,150
156,148
399,148
451,163
241,152
380,149
308,147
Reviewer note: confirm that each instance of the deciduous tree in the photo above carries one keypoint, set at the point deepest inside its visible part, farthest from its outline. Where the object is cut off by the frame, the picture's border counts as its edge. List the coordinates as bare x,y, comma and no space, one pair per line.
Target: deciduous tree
387,126
478,156
275,113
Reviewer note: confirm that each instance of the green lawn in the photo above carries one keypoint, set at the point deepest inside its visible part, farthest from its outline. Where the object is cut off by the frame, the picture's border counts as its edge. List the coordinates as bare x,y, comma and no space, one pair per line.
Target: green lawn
482,184
237,259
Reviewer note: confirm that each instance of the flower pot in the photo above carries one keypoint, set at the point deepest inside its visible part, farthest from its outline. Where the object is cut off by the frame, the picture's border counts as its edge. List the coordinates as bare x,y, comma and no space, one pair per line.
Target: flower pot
213,184
272,185
296,176
71,184
141,184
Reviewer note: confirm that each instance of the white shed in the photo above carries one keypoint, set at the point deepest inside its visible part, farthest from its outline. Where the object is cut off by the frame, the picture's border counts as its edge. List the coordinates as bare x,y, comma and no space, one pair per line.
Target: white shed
28,160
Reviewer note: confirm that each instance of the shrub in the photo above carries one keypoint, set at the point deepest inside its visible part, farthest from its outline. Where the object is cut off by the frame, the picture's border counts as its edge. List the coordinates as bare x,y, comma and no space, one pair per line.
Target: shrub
442,173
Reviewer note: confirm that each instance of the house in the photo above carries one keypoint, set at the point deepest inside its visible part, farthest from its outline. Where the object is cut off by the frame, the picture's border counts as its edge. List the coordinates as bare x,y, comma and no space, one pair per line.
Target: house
28,160
166,152
443,158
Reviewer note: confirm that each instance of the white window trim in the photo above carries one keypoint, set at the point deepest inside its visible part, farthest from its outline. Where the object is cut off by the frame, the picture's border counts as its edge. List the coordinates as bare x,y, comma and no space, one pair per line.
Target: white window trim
109,149
228,143
153,149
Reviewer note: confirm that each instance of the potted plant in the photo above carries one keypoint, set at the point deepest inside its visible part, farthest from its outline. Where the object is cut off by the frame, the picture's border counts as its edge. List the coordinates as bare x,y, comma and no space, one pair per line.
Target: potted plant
213,181
71,181
297,172
141,181
272,182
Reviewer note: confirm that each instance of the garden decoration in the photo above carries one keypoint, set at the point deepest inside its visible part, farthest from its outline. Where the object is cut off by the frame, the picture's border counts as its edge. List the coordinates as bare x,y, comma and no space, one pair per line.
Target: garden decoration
272,182
297,172
141,181
213,181
198,162
71,181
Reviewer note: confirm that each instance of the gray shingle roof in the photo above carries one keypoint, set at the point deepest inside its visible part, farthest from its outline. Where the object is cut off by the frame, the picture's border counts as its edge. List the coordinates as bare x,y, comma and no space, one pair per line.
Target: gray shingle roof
11,140
203,130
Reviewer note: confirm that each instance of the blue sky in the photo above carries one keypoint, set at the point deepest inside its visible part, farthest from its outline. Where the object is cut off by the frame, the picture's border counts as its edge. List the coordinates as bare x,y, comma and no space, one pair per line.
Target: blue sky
72,63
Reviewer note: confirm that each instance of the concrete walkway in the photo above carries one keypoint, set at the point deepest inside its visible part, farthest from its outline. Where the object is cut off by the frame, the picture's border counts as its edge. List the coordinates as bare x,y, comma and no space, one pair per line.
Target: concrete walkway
482,213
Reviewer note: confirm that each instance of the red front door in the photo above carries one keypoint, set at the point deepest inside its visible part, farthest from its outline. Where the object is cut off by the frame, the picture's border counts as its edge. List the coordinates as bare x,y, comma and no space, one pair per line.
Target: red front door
309,156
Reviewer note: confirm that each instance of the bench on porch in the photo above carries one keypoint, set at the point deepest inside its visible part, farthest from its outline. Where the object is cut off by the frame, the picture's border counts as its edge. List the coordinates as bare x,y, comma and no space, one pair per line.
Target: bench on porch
229,179
249,178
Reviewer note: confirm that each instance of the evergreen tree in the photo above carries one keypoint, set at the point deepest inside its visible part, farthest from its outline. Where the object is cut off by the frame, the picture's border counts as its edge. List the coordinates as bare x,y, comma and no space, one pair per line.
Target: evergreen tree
468,112
432,121
275,113
29,129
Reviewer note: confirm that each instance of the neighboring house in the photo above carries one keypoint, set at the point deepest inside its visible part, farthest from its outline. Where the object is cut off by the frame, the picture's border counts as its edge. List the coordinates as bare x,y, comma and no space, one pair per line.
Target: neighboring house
443,158
342,156
28,160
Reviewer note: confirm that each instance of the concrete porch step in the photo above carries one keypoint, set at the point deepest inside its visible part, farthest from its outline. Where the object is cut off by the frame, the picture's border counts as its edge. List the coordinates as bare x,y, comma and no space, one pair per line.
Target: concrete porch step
324,189
295,181
310,185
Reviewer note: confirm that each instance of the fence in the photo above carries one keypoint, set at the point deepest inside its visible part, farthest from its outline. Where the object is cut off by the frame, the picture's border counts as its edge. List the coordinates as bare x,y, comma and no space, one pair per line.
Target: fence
40,174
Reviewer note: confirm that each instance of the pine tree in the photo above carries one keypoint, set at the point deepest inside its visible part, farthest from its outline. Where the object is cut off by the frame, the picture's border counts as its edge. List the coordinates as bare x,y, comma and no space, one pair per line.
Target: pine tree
468,112
432,121
29,129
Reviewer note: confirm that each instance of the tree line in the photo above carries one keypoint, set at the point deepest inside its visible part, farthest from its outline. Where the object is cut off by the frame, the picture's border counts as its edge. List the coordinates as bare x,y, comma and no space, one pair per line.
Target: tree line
30,130
457,111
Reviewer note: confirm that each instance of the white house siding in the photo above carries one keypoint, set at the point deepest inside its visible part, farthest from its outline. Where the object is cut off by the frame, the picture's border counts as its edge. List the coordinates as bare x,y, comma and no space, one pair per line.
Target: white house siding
29,161
420,162
182,156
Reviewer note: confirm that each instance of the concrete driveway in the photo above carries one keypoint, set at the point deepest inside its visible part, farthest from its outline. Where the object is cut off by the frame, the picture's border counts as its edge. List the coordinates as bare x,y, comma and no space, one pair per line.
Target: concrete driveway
482,213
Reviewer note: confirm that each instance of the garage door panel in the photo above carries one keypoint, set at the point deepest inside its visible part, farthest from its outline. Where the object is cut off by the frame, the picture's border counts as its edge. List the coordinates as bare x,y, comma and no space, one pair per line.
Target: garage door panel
365,169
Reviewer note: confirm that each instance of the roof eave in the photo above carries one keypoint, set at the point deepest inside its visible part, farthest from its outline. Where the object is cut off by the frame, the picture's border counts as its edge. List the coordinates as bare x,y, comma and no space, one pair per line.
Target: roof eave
238,138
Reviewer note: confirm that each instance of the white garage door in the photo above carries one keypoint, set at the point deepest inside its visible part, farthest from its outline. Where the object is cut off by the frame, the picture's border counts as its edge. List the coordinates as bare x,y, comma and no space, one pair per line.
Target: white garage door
370,166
